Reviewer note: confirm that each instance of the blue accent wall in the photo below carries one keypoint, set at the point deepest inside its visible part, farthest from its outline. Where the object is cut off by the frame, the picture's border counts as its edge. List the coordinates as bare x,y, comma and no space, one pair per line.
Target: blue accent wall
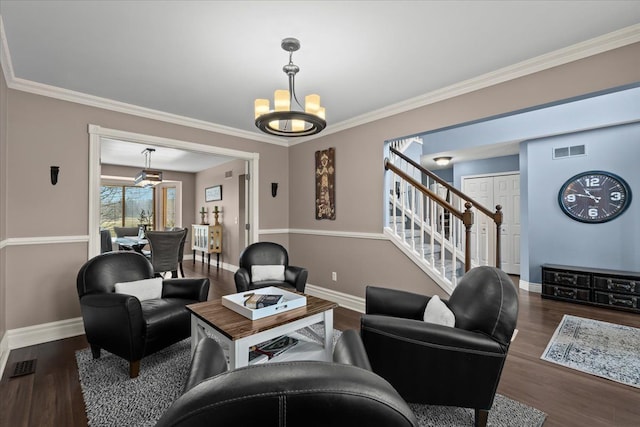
555,238
609,126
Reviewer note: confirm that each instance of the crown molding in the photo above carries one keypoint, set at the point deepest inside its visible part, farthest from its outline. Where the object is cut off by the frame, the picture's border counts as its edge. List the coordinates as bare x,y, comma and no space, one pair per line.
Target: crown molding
601,44
597,45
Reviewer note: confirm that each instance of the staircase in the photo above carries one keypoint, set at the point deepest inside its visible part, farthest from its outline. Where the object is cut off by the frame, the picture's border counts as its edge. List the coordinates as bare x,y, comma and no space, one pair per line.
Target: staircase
433,223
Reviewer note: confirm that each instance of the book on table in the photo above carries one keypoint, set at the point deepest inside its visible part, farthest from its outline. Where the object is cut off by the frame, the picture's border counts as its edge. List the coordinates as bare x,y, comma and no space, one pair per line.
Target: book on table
262,300
271,348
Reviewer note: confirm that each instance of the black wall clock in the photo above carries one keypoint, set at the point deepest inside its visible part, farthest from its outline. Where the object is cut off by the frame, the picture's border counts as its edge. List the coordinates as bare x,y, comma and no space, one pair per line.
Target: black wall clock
594,197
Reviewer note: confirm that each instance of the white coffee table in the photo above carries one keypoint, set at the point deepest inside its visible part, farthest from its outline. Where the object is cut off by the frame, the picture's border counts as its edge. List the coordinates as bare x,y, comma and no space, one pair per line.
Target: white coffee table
237,334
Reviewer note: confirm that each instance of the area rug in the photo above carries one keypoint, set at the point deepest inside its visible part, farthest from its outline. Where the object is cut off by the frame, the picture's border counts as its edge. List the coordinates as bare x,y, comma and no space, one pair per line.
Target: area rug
599,348
113,399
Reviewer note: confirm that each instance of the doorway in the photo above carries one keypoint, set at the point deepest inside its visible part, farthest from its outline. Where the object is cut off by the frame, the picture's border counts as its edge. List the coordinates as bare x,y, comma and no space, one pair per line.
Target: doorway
98,133
492,190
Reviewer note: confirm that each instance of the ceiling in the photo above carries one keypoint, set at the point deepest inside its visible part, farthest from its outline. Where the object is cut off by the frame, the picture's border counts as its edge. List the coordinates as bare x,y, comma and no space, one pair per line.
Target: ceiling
209,60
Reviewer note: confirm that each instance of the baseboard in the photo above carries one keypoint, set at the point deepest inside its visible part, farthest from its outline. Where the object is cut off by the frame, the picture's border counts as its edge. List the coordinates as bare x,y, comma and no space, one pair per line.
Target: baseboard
4,352
344,300
531,287
38,334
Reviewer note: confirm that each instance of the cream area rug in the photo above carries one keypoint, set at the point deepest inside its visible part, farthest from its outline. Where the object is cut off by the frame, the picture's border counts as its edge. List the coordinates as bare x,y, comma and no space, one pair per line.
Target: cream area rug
599,348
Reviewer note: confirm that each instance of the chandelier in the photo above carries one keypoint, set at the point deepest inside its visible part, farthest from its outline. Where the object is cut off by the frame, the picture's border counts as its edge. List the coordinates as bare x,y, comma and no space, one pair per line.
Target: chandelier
283,120
148,177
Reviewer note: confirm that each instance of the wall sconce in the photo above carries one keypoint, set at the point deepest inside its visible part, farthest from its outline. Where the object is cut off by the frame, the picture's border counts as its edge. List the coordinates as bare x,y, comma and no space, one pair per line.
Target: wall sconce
54,174
274,189
397,189
442,161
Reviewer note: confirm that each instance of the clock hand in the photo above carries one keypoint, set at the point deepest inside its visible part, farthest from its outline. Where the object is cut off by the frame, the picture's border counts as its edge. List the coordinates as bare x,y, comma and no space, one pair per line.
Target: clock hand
597,199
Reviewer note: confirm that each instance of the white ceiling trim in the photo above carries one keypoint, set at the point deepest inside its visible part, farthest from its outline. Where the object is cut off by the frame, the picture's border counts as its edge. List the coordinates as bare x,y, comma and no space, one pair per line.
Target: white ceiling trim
607,42
616,39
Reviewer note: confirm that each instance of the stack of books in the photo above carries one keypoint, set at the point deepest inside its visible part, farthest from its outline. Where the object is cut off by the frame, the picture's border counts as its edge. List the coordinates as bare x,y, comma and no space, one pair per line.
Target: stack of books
270,349
262,300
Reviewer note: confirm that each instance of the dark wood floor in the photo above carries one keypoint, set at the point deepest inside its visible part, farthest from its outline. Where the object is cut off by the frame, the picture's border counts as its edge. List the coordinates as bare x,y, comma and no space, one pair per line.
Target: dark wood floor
52,396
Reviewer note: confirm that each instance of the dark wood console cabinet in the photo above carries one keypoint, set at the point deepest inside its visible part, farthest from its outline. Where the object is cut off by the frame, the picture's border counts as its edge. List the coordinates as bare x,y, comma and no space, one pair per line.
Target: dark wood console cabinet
594,286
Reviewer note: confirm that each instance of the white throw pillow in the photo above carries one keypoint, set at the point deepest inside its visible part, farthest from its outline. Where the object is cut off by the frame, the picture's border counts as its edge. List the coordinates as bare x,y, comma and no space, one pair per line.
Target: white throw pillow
267,272
142,289
437,312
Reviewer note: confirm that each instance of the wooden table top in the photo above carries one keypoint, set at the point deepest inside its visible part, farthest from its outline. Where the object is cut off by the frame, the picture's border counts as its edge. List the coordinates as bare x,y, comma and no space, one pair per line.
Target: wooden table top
235,326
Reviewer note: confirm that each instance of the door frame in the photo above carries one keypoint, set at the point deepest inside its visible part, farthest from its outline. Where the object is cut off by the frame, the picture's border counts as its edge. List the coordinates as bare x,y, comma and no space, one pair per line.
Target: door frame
97,133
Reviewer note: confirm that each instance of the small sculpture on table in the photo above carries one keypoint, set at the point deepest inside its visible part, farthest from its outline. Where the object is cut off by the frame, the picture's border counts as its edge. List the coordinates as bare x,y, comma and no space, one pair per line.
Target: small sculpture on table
216,213
203,213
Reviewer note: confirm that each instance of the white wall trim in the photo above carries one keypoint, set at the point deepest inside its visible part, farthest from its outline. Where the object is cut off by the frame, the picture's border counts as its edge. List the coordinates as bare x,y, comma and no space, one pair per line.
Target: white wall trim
45,332
344,300
4,352
3,243
327,233
531,287
604,43
44,240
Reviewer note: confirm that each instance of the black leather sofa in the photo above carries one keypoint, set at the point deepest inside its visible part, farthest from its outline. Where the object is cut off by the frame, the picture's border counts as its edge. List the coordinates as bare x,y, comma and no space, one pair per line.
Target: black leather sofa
305,394
440,365
124,325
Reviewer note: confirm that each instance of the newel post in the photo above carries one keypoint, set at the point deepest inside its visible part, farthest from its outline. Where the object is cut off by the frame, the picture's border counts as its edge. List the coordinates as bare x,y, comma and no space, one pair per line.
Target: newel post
467,220
497,218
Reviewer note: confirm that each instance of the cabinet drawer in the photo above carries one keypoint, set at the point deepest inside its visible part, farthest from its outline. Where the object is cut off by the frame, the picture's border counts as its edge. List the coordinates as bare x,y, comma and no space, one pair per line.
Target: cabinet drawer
566,292
617,300
613,284
566,278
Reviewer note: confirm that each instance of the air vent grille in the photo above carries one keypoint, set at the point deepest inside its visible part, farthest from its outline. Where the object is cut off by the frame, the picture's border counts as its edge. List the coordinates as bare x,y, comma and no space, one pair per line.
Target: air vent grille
564,152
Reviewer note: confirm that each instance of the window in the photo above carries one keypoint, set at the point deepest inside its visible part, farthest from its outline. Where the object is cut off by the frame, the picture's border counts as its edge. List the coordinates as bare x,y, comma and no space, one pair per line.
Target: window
168,207
126,206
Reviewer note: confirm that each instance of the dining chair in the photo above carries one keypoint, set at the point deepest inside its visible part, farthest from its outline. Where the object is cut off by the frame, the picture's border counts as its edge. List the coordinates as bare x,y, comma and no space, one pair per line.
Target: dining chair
181,251
165,250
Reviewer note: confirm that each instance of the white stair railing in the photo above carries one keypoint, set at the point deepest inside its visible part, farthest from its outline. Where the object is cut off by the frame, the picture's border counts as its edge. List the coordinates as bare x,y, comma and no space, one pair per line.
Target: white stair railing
434,223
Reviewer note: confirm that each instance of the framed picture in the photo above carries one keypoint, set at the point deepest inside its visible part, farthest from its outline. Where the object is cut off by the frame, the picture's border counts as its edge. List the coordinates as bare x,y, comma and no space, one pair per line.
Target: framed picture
213,194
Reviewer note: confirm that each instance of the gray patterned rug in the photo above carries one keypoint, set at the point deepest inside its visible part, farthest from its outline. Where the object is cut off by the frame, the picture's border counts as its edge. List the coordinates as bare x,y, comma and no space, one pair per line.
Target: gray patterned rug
113,399
598,348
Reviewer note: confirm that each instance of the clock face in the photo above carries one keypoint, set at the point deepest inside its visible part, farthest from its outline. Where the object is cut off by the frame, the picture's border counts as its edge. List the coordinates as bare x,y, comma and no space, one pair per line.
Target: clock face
594,196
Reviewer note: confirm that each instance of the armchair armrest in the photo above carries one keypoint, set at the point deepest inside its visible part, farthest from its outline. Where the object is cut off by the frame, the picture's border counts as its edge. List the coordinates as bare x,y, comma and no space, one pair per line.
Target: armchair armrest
395,303
195,289
297,276
421,333
114,321
208,361
349,350
242,279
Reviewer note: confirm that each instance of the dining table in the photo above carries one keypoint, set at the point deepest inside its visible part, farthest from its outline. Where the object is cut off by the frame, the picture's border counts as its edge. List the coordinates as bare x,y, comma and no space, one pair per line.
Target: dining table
132,243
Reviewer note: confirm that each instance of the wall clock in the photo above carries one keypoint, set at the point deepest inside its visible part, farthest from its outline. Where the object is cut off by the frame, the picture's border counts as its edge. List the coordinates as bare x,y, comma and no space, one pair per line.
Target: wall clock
594,197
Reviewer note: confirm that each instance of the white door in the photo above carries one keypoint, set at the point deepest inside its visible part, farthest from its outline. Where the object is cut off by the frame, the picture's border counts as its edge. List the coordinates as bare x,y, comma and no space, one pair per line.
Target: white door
481,190
506,193
490,191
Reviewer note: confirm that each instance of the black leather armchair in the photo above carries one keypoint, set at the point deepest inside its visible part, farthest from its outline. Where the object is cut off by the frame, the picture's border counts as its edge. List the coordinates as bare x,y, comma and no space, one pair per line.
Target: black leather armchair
124,325
268,253
293,394
440,365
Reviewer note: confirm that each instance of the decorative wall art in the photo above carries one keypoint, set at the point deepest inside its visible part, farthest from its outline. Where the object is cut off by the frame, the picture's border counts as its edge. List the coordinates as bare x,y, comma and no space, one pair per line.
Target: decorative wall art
325,184
213,194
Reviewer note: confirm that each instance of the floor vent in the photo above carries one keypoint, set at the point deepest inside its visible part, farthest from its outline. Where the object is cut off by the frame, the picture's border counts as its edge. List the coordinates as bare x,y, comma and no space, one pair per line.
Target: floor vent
24,367
563,152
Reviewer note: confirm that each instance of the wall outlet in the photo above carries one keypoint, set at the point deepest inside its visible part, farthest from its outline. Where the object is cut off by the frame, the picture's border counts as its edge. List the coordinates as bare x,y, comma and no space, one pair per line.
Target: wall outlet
334,276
